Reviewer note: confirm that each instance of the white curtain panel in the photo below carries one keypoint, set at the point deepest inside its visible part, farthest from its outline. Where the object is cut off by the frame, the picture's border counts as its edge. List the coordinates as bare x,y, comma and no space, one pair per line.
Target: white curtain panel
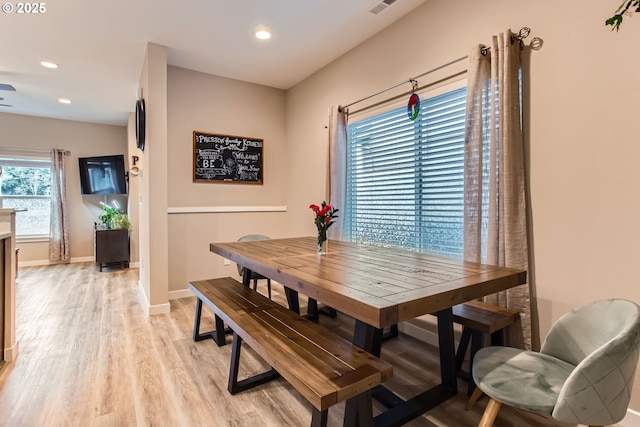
59,232
337,167
495,226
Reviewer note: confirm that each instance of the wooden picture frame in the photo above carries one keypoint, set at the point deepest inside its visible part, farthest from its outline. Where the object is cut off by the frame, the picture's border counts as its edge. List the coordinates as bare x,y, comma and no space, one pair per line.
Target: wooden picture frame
227,158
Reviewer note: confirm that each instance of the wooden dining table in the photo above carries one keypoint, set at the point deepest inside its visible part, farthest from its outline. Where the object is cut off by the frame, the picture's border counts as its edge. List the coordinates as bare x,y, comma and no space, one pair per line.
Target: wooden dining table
379,287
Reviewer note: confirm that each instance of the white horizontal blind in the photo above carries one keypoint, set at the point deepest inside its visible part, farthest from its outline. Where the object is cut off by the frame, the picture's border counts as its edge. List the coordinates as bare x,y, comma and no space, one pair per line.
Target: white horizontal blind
25,185
405,179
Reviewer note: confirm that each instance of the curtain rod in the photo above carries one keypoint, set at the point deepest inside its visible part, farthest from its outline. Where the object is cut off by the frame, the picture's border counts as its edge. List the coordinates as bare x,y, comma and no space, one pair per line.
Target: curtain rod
410,81
519,36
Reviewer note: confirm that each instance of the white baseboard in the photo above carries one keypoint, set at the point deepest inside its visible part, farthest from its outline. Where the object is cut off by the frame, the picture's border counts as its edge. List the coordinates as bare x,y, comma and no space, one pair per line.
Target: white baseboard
10,354
39,262
182,293
631,420
418,333
159,309
151,310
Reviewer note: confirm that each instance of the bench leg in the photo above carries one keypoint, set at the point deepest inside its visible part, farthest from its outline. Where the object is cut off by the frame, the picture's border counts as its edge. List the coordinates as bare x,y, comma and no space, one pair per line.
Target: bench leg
358,411
462,348
319,418
476,344
217,336
236,386
313,312
292,300
497,338
312,309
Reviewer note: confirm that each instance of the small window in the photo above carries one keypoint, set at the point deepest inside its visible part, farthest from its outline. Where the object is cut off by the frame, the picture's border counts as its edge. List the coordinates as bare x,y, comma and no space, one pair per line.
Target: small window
25,185
405,179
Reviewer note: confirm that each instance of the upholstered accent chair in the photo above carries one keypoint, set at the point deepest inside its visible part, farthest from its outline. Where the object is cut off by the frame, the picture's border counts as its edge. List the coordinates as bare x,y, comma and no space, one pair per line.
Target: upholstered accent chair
254,276
583,373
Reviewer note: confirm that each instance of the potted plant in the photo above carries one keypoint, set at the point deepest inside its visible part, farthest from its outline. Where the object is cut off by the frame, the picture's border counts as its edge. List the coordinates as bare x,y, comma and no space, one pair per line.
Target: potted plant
119,221
114,219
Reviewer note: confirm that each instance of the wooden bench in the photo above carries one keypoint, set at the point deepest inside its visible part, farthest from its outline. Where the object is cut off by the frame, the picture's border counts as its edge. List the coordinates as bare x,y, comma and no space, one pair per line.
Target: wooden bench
322,366
478,318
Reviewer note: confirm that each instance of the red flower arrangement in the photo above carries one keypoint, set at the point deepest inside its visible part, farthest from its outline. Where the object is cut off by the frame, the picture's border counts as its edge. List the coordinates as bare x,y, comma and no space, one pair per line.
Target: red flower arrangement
324,218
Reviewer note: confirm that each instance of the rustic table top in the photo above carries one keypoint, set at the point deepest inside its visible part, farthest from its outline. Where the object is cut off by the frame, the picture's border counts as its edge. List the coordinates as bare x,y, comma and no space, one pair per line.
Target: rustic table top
376,285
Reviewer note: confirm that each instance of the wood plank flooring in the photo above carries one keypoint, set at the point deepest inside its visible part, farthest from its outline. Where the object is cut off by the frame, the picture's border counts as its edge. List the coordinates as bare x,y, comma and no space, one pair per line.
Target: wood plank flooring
89,356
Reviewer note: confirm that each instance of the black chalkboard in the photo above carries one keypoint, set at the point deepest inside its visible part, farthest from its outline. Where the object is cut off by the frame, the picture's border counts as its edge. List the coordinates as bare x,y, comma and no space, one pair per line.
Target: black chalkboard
227,158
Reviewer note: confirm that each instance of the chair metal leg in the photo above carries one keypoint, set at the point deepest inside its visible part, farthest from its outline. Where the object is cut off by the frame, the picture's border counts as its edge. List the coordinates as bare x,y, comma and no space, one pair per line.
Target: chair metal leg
490,413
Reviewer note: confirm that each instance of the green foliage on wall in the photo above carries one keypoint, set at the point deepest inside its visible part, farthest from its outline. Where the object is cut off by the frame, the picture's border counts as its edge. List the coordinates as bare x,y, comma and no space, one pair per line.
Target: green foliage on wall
616,20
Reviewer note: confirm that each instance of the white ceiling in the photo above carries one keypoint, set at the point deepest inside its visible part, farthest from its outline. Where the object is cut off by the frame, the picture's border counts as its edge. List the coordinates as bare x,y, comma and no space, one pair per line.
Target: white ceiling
100,46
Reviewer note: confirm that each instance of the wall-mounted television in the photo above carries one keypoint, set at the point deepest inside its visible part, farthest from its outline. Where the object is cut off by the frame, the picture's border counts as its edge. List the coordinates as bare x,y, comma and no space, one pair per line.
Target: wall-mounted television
102,175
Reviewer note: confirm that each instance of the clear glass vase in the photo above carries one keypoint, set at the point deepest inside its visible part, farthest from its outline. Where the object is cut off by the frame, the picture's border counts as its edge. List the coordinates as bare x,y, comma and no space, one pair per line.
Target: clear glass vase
323,242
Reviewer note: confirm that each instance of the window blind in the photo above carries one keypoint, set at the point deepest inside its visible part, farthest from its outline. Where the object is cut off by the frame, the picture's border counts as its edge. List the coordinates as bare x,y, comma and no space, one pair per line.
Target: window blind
405,179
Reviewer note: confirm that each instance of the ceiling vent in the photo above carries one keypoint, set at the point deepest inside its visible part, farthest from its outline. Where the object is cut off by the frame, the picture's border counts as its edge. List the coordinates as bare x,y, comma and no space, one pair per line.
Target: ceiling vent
381,6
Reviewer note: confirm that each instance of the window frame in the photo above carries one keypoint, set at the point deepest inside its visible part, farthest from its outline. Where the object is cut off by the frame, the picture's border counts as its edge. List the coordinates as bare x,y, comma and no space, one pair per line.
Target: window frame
26,159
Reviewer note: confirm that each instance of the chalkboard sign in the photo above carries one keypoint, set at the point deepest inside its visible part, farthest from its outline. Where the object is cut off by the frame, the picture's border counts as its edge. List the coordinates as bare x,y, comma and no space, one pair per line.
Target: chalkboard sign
227,158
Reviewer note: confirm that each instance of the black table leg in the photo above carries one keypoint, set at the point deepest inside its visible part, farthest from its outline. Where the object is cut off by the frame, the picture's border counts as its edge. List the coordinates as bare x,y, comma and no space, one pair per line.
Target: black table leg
400,411
368,337
447,350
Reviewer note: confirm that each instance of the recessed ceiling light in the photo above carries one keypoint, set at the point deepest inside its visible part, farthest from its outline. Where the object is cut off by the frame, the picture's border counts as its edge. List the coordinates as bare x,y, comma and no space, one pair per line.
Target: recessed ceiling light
263,33
49,64
64,100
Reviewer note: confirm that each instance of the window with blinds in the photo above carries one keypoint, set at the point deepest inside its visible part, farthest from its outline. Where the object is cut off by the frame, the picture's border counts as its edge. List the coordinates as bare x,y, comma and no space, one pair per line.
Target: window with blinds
25,185
405,179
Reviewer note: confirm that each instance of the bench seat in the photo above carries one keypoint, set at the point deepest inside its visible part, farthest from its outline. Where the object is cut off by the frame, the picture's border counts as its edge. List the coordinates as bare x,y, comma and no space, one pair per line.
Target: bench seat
322,366
477,319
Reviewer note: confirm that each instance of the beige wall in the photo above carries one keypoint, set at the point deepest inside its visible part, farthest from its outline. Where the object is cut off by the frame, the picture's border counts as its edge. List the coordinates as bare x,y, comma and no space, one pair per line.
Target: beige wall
581,133
83,140
207,103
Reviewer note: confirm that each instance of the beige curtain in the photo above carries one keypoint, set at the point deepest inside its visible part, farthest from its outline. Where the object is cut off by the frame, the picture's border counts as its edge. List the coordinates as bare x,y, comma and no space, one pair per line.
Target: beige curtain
59,231
337,167
495,205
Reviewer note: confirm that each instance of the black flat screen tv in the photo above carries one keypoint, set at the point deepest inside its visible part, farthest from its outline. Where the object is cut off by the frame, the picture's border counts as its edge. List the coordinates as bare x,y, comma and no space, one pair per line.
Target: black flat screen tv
102,175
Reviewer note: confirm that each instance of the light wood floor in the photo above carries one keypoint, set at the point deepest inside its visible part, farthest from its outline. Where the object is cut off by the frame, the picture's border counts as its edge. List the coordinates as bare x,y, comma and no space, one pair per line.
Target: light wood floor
90,357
